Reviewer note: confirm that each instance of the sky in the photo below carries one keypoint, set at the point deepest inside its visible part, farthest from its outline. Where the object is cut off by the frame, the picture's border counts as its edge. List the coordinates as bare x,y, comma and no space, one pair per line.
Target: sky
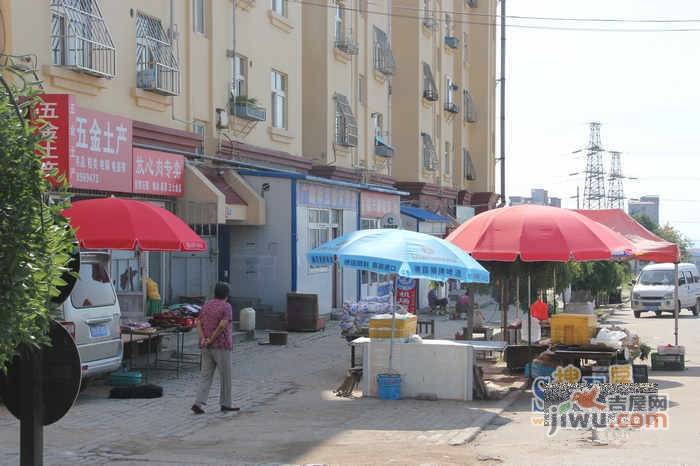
643,87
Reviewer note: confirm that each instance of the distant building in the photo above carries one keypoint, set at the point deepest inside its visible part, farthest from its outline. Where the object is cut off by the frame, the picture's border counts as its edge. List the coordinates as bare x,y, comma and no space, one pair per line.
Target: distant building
537,196
695,257
646,205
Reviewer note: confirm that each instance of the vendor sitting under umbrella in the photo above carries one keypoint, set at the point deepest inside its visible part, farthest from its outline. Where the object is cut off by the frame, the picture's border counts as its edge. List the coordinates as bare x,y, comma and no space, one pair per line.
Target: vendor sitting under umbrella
434,302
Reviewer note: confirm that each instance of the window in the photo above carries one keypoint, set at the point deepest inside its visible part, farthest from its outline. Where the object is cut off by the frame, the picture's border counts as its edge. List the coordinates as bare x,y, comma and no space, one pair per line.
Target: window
280,7
448,25
343,38
345,122
430,91
198,16
469,108
362,7
80,38
369,223
378,124
279,100
240,76
450,88
471,3
93,288
199,128
156,64
324,225
339,21
468,171
429,156
448,158
362,89
383,57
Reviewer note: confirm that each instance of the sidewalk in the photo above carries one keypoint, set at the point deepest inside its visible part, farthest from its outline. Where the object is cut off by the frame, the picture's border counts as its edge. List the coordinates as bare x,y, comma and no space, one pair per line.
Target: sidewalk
289,415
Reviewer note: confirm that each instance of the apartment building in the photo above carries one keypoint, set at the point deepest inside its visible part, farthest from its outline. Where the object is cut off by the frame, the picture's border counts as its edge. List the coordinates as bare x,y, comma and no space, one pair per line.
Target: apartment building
443,101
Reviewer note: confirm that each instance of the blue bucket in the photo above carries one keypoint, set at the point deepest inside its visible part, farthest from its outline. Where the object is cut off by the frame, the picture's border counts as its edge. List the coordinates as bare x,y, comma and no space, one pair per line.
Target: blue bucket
389,386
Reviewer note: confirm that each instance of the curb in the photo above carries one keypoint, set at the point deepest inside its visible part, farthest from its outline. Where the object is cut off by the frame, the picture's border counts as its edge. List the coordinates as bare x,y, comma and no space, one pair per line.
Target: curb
467,435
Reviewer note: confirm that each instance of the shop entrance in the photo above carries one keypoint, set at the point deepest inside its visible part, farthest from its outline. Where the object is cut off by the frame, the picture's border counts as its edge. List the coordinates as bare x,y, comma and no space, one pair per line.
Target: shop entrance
195,274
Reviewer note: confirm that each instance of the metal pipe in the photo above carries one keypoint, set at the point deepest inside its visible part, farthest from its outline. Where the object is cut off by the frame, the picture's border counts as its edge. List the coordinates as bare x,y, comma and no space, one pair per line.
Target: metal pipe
529,327
503,102
676,306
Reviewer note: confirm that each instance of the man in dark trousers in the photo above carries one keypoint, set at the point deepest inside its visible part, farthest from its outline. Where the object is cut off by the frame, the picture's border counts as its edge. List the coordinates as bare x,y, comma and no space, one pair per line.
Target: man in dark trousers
214,327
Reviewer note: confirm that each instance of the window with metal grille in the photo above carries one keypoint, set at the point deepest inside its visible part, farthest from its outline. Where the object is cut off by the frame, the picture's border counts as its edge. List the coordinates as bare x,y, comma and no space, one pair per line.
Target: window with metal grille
279,7
469,108
450,88
429,155
279,99
80,38
198,16
468,171
157,67
430,91
345,122
240,76
199,128
383,57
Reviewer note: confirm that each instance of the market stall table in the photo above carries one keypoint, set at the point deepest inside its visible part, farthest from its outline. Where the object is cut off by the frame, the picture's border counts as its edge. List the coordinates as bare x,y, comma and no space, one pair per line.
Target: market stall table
153,338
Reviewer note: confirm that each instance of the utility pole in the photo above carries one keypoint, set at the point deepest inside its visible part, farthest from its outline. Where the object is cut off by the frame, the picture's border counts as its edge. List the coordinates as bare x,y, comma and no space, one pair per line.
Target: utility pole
616,192
503,103
594,187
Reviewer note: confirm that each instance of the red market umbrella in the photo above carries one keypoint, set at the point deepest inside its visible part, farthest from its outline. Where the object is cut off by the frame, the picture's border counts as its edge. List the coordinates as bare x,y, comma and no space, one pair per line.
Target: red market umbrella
114,223
538,234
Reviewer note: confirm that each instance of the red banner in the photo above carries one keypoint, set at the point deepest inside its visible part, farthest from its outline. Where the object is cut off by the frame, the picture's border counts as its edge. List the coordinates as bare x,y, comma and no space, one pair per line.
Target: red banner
100,155
53,121
406,293
158,173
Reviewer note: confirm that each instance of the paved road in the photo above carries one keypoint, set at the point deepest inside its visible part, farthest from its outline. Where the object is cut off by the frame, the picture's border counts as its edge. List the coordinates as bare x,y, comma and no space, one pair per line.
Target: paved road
514,440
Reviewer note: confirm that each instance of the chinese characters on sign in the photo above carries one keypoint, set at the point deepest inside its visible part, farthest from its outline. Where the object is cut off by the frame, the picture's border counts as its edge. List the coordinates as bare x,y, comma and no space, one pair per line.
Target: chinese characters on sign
406,293
100,151
314,195
52,120
93,150
158,173
378,204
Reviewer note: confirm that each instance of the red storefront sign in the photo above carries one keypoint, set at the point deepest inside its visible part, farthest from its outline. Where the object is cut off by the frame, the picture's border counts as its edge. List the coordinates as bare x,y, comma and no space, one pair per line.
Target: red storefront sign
158,173
52,119
406,293
100,151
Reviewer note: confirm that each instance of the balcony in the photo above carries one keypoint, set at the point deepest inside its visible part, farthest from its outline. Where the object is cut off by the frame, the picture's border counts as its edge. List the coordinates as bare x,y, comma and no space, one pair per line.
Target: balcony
451,107
431,94
382,148
347,45
247,108
452,42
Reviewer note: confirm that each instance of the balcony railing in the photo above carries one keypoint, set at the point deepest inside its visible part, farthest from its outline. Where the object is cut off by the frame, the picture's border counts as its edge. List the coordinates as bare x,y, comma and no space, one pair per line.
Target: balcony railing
247,109
431,94
451,107
346,44
382,148
452,42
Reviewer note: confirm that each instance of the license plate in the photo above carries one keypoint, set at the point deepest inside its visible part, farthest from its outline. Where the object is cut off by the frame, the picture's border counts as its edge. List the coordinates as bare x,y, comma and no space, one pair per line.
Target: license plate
653,308
98,331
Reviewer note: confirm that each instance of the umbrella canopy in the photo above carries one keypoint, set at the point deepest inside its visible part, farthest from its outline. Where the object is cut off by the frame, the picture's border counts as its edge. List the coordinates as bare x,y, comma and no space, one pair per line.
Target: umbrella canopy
539,234
113,223
401,252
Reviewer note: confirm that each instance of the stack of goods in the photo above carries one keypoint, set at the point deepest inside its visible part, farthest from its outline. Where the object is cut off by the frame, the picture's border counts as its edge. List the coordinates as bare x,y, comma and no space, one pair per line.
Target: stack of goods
354,320
668,357
572,329
137,327
380,326
181,317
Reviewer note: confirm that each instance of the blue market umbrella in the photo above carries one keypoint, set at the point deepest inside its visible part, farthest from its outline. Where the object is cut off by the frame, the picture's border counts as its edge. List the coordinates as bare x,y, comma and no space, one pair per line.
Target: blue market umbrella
400,253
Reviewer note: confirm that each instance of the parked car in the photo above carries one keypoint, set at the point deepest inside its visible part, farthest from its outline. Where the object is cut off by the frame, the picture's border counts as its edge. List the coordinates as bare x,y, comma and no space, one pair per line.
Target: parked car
654,288
92,315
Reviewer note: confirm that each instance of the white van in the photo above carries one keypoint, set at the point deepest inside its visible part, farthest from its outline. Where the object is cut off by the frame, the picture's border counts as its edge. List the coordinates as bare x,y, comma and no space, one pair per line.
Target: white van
92,315
653,289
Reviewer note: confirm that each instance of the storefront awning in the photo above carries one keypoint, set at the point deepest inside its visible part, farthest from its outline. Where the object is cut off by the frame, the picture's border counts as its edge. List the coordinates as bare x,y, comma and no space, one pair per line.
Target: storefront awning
424,215
219,195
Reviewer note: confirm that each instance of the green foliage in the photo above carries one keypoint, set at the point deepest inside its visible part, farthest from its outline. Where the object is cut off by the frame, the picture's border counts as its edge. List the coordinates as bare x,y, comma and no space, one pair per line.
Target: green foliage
36,240
599,277
669,233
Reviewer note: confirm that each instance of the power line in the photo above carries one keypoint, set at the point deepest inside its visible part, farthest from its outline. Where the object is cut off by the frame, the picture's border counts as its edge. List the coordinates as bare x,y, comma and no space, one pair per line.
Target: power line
496,23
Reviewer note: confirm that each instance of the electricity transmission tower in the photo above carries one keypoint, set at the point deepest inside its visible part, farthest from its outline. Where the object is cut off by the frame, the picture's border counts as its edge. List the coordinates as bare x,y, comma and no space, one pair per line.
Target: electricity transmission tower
594,187
616,191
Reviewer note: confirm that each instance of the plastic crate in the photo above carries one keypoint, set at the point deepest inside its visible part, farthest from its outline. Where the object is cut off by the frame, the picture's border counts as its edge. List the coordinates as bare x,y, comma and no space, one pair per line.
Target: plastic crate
403,327
572,329
667,362
125,378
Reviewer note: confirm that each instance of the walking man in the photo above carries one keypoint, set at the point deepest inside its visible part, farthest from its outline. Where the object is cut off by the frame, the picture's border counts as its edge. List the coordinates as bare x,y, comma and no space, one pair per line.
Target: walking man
215,340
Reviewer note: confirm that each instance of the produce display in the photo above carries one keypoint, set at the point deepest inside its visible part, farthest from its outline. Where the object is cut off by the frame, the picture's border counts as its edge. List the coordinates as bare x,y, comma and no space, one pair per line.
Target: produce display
180,316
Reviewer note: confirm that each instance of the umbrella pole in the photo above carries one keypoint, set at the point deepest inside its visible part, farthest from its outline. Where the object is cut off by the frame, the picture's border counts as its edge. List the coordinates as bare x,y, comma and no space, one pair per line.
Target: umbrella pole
555,289
529,328
393,326
676,305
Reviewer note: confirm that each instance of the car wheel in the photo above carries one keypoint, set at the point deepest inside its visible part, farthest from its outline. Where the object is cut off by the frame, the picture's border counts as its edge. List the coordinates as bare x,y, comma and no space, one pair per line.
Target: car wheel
658,313
637,314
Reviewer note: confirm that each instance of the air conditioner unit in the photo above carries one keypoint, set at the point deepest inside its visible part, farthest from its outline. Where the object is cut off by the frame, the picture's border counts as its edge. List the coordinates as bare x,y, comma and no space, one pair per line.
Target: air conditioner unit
391,221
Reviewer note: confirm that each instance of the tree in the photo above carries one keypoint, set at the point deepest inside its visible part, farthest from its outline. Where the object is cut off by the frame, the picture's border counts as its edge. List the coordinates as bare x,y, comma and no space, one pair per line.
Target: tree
36,239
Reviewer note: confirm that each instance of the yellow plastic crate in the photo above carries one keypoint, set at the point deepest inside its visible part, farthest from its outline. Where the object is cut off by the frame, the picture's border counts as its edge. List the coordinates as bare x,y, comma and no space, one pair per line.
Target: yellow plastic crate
404,328
572,329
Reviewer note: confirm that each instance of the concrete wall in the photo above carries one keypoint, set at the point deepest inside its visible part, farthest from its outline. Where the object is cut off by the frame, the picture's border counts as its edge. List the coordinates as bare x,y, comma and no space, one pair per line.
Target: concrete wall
261,261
